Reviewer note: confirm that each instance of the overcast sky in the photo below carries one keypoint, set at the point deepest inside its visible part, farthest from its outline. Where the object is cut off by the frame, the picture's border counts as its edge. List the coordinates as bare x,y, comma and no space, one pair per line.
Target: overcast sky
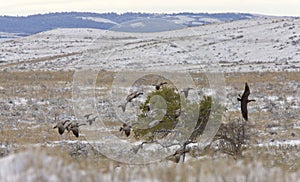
267,7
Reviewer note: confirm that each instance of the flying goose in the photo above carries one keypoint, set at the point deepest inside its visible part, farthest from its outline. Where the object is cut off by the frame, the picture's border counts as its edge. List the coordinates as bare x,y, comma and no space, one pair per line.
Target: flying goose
123,106
244,101
125,128
87,115
61,126
159,85
186,91
129,98
90,121
74,128
133,95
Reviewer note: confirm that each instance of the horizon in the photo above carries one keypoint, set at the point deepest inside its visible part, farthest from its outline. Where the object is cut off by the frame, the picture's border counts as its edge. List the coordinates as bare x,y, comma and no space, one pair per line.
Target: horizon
144,12
260,7
121,13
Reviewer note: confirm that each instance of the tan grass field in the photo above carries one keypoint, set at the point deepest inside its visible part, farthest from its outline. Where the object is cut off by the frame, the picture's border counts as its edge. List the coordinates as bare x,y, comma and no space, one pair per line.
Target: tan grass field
29,127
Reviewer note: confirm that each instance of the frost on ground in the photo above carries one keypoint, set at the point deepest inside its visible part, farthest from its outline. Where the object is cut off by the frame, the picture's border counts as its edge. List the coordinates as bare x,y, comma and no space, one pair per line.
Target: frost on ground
37,165
30,101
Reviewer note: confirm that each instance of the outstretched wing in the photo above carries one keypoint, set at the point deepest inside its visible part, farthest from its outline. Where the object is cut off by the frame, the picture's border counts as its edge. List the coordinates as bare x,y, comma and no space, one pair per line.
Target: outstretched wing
87,115
130,96
162,83
246,91
133,95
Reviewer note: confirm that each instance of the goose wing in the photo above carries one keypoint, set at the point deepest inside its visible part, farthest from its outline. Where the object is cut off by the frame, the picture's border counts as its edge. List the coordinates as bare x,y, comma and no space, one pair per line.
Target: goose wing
246,91
87,115
131,96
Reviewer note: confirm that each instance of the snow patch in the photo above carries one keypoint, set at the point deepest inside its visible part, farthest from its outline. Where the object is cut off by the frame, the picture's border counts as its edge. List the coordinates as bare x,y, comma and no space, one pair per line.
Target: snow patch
97,19
183,19
211,20
137,25
281,143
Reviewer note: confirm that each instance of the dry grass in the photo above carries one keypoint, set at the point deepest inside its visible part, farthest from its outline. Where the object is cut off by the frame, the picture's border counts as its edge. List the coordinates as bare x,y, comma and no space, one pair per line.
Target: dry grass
45,165
265,77
279,163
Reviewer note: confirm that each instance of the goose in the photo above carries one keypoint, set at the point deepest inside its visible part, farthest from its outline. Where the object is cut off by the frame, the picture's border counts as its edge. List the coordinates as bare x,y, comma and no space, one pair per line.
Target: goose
61,126
148,107
74,128
126,128
90,121
129,98
159,85
186,91
244,101
133,95
87,115
123,106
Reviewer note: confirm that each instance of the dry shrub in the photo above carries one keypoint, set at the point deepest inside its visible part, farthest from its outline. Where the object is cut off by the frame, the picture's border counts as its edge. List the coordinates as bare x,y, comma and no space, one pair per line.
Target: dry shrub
233,138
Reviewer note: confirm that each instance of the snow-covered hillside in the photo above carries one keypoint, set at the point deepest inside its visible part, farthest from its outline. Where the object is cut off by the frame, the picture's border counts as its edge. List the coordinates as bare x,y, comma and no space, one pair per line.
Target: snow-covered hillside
32,102
261,44
28,25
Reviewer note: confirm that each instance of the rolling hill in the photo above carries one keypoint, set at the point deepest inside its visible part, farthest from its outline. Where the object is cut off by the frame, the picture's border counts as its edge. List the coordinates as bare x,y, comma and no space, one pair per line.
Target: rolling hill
265,44
32,24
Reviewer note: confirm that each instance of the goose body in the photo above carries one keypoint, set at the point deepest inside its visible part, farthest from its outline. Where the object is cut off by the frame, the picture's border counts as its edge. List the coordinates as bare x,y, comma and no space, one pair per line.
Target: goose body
159,85
186,91
74,128
244,101
126,128
90,121
123,106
